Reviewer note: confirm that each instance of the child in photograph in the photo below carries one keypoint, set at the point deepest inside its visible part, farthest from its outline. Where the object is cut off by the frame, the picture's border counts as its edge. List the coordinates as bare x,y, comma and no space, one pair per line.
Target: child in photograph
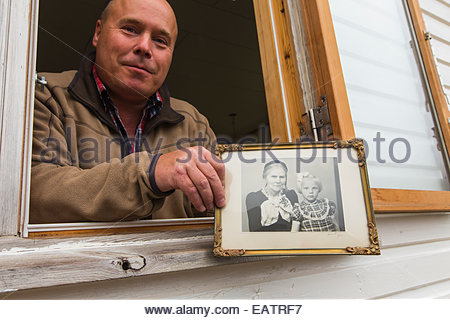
313,213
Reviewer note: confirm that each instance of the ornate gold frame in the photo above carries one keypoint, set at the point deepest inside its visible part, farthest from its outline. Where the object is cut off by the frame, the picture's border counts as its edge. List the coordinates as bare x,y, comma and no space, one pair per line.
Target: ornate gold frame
358,145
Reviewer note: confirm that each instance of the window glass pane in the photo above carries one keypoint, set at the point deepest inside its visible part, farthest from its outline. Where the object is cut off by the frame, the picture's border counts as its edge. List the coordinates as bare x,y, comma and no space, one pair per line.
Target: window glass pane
386,94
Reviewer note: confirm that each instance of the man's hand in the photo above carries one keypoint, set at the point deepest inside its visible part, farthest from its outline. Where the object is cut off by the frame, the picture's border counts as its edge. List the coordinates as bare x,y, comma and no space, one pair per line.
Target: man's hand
196,172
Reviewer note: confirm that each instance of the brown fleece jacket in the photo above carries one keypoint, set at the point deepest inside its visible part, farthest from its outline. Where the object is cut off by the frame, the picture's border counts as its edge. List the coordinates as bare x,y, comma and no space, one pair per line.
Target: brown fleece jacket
79,169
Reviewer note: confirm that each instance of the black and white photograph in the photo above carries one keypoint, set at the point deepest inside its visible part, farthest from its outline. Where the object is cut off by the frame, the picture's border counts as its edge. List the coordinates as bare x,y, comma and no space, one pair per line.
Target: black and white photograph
289,195
307,198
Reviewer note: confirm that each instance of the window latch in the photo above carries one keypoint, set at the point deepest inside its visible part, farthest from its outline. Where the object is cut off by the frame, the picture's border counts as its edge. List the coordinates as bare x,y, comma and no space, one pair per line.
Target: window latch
316,122
41,82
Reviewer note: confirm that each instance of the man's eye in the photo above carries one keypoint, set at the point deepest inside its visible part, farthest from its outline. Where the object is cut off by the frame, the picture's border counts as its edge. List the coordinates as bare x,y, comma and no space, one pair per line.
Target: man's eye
161,41
129,29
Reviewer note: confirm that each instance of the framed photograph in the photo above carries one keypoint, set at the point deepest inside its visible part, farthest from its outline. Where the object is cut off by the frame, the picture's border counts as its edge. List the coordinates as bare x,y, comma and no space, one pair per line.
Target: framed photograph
290,199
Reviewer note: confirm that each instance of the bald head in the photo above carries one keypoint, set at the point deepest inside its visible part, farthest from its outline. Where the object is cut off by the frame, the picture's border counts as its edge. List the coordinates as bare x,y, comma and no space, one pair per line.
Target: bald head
105,13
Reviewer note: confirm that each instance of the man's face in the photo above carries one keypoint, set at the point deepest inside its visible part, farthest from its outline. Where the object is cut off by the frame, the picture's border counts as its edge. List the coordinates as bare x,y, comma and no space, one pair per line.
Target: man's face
134,43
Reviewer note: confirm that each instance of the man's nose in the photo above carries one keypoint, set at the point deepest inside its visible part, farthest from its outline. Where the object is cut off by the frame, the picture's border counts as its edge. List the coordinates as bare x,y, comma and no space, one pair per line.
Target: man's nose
143,46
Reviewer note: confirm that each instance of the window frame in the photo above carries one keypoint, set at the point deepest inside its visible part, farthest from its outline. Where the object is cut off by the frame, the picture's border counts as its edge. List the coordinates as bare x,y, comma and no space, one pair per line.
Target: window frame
329,80
280,70
431,70
72,260
19,32
282,86
282,83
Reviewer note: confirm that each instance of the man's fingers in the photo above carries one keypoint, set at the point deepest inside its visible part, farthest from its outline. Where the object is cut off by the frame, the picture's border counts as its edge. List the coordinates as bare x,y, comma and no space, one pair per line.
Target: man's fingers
218,166
186,185
203,186
200,176
215,184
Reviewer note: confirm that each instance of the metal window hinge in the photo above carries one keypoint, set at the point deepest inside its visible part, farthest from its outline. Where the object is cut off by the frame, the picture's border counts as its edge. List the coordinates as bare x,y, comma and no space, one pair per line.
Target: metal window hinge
427,35
40,81
316,123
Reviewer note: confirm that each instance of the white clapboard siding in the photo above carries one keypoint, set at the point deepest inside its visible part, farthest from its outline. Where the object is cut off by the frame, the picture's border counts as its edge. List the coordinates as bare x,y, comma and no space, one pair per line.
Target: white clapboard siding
436,14
438,290
415,262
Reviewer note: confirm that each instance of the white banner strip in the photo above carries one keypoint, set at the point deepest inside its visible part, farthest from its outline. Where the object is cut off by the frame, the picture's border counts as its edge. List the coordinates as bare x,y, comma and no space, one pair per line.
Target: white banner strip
227,309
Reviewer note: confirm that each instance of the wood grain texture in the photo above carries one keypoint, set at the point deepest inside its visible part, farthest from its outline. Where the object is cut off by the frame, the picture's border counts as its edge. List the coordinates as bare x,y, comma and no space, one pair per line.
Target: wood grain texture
4,26
432,73
298,36
396,200
398,269
27,263
272,81
179,264
289,72
289,67
326,65
16,130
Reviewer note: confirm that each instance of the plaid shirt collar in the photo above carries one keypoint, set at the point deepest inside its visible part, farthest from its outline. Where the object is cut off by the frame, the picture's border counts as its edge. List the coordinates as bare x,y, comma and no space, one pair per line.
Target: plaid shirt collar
153,107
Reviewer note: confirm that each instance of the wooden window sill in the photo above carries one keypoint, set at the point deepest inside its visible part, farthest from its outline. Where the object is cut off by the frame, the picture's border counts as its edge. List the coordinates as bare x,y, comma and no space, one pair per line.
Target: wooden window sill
27,263
31,263
397,201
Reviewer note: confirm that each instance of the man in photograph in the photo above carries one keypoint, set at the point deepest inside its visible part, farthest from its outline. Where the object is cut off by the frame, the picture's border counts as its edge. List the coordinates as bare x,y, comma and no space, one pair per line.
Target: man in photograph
109,143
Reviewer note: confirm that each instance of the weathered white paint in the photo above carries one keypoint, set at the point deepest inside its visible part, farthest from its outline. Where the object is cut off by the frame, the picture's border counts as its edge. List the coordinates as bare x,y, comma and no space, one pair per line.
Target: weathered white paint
17,34
28,263
91,243
4,25
436,14
415,262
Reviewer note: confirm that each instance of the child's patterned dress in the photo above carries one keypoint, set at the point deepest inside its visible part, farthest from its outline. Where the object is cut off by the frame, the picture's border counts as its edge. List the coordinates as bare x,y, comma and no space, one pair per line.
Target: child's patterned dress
315,216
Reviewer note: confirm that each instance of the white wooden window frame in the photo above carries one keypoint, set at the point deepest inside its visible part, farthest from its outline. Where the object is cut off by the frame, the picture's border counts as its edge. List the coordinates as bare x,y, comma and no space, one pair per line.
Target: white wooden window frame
282,100
18,33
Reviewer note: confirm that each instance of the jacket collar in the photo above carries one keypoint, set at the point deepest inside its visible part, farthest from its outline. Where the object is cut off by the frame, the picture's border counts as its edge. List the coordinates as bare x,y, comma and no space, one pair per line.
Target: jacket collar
83,89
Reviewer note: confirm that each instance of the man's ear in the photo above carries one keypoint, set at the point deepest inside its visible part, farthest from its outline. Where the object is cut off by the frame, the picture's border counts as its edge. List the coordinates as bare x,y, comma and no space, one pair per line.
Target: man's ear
98,30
